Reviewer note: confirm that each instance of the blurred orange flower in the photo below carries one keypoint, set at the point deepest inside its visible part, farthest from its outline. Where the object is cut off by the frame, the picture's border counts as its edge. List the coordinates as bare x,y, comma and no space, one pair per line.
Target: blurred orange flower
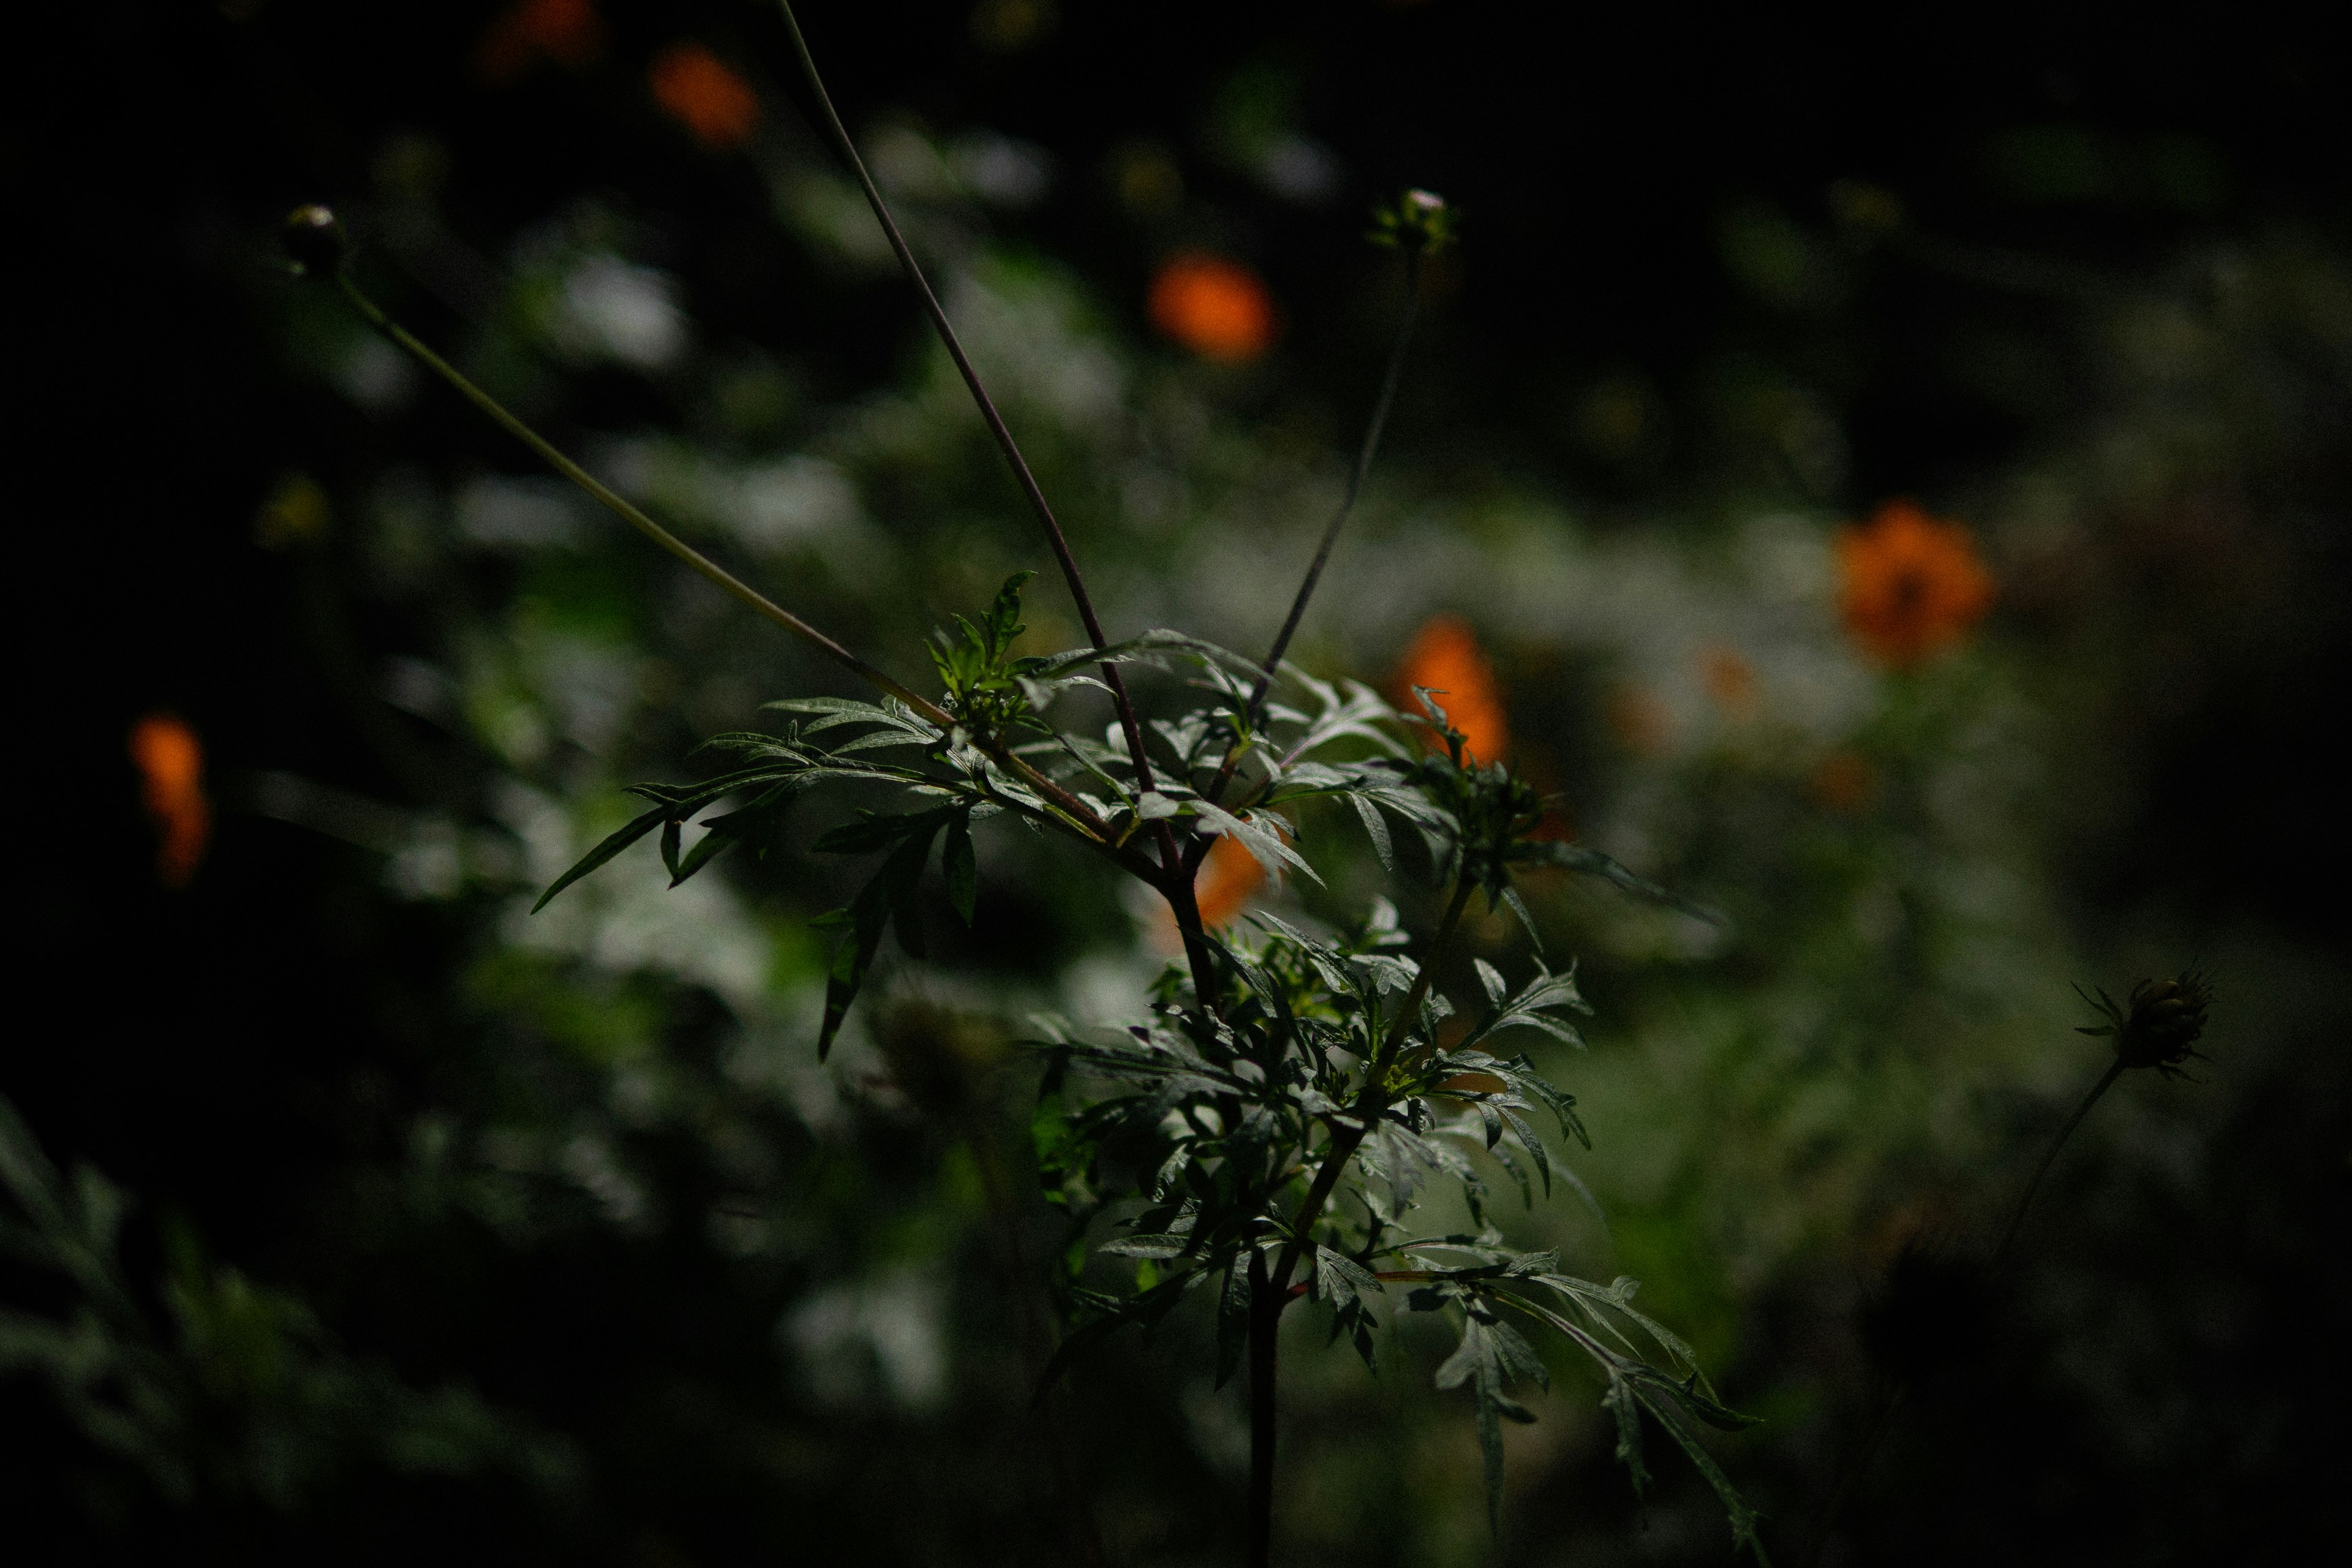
1911,585
1445,656
1730,680
1229,878
701,92
1216,308
1844,781
170,763
568,32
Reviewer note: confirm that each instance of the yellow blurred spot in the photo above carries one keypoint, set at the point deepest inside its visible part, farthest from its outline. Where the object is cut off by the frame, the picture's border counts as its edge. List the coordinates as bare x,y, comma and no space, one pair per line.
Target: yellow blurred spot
297,512
568,32
698,89
170,763
1447,657
1216,308
1912,584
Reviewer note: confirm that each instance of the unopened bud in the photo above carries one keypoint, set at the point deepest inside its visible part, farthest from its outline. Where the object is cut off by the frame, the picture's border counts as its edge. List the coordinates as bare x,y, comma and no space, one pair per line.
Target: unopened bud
314,239
1418,220
2159,1027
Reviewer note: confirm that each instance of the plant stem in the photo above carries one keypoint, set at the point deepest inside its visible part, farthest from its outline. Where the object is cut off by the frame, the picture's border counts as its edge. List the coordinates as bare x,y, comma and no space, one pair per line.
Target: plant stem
1270,1294
1131,730
1253,710
2016,1221
620,507
1378,423
1345,1138
1073,809
1037,1325
1267,1303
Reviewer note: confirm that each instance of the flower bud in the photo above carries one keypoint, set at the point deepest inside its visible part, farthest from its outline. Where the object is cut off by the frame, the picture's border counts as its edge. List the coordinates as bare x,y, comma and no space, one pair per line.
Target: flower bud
2160,1026
1417,220
313,238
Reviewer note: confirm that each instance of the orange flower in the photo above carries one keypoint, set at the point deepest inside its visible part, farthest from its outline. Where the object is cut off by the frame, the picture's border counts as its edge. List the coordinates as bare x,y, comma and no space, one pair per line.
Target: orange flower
568,32
698,90
170,763
1229,878
1912,584
1216,308
1447,657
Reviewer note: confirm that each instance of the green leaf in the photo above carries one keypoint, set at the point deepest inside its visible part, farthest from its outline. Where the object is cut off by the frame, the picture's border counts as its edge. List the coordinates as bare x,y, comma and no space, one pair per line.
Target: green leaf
1234,1317
960,866
613,845
869,913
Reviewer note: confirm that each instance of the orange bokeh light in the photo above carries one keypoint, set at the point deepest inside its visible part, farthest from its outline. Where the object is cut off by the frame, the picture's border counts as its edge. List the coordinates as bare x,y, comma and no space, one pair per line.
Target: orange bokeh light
170,763
1910,584
1216,308
568,32
1230,877
1446,656
701,92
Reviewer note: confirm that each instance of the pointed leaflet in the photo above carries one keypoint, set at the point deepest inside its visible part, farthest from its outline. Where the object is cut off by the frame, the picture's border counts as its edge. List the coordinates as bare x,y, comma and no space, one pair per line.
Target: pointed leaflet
1234,1317
613,845
960,868
868,915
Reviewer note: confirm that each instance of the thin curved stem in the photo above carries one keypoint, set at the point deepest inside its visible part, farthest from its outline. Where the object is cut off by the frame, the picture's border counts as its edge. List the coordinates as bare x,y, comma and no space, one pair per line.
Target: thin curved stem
1130,727
621,506
2016,1221
1076,812
1355,476
1254,710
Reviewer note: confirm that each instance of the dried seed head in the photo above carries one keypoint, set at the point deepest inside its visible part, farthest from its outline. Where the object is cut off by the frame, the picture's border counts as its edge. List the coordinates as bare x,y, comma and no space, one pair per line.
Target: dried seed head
2160,1026
314,239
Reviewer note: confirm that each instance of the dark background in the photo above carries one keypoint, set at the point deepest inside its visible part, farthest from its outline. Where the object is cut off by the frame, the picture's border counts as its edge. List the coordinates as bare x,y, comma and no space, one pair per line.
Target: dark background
239,1055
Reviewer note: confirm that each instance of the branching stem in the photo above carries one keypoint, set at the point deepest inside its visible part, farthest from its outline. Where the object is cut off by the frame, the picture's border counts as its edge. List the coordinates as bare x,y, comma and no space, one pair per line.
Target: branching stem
1071,809
1253,712
1129,726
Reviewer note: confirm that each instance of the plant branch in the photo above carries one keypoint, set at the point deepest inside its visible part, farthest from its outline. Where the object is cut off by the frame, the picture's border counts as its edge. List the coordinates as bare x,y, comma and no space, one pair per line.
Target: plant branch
1374,1098
620,507
1076,811
1129,726
1266,1305
1252,711
2017,1220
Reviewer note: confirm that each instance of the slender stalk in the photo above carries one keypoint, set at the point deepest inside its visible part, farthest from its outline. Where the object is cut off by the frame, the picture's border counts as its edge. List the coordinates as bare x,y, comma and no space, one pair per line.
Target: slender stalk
1270,1294
1856,1469
1129,727
620,507
1073,811
1254,710
1356,476
1374,1099
1037,1334
2017,1220
1266,1307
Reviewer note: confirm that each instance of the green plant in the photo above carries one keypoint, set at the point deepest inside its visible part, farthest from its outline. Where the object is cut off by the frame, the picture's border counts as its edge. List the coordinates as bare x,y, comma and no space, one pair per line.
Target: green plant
1267,1136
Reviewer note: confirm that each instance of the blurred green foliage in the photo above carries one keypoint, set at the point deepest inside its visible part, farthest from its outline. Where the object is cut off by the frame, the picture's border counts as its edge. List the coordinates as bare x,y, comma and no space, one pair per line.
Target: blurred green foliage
443,1225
